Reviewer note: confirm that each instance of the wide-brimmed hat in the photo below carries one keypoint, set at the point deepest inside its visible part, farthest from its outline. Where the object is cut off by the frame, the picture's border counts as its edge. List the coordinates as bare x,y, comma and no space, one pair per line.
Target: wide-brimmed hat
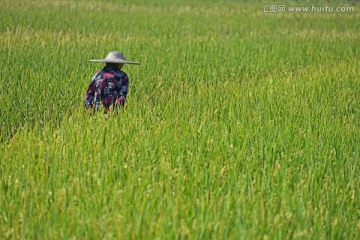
115,57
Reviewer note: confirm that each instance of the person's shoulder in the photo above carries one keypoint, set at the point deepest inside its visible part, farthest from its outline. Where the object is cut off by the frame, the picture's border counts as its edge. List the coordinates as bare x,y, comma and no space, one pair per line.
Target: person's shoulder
121,74
101,71
98,74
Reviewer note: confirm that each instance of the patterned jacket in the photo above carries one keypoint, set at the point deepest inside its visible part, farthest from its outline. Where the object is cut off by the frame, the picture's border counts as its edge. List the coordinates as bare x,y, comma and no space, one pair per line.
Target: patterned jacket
109,86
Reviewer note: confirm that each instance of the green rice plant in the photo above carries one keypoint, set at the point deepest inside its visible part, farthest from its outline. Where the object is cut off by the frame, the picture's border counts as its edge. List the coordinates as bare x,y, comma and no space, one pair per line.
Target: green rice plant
238,124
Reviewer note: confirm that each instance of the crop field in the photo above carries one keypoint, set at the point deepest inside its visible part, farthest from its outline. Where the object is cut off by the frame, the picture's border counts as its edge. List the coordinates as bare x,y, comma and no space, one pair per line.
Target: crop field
240,123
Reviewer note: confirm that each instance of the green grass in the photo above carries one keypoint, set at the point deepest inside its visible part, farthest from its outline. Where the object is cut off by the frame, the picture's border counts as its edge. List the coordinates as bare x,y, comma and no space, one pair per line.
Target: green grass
238,124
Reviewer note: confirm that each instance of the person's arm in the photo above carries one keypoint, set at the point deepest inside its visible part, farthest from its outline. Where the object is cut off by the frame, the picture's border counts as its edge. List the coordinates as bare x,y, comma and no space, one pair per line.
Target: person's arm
90,94
122,91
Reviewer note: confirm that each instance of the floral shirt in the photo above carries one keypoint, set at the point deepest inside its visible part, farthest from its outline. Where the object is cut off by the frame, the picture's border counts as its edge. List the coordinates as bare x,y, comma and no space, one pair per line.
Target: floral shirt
109,86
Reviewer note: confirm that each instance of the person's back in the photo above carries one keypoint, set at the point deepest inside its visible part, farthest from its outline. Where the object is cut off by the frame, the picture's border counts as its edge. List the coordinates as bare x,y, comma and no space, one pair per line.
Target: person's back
110,85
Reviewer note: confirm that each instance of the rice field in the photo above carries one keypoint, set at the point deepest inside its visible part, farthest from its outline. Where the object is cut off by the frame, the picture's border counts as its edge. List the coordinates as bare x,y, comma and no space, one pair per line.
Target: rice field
239,123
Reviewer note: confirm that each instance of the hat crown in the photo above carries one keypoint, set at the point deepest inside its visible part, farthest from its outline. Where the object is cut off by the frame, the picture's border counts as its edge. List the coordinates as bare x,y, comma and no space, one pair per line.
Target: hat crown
115,56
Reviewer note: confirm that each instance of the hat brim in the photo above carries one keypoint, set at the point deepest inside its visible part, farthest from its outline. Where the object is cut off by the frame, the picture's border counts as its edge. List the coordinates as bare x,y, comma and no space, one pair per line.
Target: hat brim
114,61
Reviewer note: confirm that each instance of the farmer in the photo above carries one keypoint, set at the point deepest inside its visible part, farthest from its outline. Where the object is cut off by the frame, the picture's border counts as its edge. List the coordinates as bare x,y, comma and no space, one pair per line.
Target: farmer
110,85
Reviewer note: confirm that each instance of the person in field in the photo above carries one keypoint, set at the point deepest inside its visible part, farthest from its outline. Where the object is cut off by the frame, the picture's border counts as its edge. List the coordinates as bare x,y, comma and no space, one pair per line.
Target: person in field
110,85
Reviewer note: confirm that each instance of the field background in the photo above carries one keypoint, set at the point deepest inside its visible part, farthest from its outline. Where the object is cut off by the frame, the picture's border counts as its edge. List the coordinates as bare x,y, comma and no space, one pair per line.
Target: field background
238,124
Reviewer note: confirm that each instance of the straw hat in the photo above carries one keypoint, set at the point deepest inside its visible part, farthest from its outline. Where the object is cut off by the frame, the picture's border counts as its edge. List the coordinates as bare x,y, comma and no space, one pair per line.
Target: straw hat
115,57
